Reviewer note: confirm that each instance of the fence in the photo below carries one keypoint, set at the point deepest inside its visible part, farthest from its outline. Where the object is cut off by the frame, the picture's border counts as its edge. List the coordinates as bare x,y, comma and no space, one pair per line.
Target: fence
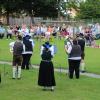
29,20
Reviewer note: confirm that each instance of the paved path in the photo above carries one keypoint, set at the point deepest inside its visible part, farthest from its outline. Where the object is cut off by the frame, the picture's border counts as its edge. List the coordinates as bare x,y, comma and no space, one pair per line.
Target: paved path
61,70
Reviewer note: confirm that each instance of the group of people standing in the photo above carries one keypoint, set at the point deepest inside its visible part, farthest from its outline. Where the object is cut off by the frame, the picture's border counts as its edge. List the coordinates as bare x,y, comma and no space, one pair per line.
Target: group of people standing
22,50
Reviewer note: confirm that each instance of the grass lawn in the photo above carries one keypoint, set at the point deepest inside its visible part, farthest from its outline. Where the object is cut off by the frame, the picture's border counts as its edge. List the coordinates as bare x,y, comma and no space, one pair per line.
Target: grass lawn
84,88
92,55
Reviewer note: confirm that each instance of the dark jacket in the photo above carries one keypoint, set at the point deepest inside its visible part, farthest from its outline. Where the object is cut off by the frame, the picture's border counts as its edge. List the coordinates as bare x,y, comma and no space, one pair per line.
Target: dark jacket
46,55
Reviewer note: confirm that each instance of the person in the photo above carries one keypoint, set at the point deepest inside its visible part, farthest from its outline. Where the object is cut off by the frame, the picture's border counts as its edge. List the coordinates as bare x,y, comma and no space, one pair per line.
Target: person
2,32
17,49
9,32
46,76
24,30
27,51
81,42
68,42
0,76
74,58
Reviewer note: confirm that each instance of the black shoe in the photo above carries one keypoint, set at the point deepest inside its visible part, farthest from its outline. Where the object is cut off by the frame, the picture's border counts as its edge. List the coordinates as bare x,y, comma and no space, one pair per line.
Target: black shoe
83,71
44,89
22,67
77,77
27,68
70,77
18,78
0,78
52,89
13,78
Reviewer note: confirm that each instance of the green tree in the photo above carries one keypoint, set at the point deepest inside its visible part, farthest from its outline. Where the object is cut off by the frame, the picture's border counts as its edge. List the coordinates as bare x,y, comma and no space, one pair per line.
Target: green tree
40,8
45,8
10,6
89,9
66,5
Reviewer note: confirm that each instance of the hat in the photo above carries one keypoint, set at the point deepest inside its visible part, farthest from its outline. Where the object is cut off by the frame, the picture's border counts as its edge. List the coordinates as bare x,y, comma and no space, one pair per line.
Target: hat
47,45
27,37
19,37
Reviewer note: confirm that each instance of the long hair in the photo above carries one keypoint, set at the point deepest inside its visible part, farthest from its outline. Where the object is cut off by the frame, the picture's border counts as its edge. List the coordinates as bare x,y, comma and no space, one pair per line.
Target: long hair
75,41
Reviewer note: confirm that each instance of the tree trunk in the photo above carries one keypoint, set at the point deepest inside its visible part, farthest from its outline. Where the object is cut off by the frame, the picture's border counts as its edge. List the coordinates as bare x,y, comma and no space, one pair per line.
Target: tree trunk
7,16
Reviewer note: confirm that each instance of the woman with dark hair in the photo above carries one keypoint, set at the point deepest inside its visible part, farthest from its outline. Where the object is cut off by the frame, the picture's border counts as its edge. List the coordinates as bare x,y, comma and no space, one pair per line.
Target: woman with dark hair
74,58
46,71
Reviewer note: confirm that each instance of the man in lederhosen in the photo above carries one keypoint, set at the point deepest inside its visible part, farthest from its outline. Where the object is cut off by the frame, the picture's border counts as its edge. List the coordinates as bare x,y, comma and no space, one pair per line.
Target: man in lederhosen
81,42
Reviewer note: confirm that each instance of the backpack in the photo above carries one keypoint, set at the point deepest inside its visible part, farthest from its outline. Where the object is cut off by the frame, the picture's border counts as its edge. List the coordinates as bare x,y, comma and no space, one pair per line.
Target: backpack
18,48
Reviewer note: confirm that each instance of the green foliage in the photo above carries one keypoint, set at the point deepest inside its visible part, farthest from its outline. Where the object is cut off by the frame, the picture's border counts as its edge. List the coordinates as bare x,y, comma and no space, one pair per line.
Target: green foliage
64,7
89,9
40,8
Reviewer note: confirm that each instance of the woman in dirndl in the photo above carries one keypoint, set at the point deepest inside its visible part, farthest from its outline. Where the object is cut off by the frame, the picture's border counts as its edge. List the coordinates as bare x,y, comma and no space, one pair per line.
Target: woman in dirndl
46,76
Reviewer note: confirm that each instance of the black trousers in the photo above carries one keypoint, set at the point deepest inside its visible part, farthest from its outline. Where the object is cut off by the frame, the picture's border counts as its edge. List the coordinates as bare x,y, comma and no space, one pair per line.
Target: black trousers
74,66
9,36
1,36
26,61
0,77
